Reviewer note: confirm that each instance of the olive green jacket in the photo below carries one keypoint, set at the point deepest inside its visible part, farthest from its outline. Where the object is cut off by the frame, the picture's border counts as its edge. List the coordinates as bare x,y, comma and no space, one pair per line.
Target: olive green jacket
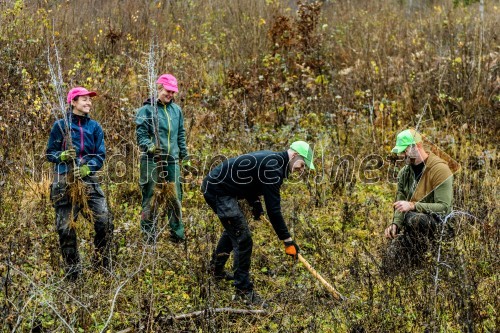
432,194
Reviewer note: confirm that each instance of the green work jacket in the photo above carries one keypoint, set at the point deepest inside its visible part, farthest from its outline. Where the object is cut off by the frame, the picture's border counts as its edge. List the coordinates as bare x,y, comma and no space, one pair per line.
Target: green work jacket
171,132
433,193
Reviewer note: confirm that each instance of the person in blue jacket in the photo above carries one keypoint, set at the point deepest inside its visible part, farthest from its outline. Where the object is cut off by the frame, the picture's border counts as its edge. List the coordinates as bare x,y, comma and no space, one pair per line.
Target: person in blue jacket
161,138
77,156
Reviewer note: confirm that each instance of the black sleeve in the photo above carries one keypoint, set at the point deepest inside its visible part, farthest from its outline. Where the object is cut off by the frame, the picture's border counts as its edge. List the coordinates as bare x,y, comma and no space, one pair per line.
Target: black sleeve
272,199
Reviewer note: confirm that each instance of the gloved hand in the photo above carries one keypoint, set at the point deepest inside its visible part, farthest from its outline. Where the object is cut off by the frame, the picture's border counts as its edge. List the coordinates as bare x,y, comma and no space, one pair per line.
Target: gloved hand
257,210
186,163
292,249
154,150
68,155
82,171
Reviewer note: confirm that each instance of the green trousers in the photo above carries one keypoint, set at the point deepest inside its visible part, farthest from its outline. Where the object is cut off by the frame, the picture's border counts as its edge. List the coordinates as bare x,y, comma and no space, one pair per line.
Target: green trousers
148,180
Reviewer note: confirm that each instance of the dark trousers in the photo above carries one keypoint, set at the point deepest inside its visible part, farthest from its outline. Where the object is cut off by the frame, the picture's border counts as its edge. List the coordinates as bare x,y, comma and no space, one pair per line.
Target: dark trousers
418,233
148,180
66,213
236,237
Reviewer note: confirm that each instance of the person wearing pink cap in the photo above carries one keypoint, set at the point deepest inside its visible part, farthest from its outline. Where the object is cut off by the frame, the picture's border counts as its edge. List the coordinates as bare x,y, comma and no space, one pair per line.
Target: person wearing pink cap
161,137
77,156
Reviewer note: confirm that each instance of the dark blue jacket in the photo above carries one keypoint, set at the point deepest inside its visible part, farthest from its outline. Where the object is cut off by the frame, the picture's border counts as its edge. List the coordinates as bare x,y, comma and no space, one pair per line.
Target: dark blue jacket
87,138
251,175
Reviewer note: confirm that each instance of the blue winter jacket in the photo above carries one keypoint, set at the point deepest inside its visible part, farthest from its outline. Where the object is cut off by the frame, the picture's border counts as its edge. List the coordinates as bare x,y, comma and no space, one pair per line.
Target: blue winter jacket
87,138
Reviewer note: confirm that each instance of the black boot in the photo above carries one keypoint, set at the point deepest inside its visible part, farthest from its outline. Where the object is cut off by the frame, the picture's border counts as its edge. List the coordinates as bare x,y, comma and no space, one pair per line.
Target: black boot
250,298
219,273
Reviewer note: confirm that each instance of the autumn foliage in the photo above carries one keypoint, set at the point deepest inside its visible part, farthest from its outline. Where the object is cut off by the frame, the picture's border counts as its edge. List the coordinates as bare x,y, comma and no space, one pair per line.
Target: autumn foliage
256,74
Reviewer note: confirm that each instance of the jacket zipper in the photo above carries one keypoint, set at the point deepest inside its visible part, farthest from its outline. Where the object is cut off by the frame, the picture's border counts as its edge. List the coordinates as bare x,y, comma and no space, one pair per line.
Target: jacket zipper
81,138
168,121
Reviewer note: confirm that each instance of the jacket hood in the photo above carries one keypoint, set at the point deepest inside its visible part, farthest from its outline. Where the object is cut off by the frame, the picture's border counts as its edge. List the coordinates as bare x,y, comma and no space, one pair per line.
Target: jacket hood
148,102
436,172
433,160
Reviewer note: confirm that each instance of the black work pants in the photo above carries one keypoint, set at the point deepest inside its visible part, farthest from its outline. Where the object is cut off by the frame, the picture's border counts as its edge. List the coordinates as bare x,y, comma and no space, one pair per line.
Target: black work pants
236,238
67,212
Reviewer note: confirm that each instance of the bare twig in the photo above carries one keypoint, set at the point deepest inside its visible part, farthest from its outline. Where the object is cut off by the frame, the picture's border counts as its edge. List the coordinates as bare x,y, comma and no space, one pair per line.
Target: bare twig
38,291
117,292
371,109
153,93
57,82
422,115
6,308
153,96
125,330
438,258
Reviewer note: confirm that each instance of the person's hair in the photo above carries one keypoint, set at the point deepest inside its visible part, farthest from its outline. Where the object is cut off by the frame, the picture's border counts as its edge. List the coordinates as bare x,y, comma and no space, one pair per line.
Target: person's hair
74,99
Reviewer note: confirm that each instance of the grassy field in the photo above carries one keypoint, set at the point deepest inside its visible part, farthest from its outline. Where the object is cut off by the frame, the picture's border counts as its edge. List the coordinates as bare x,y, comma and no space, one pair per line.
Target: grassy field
346,76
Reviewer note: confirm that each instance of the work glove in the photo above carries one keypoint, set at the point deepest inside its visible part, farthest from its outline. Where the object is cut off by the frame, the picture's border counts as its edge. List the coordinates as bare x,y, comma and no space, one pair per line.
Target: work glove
257,210
292,249
154,150
82,171
186,163
68,155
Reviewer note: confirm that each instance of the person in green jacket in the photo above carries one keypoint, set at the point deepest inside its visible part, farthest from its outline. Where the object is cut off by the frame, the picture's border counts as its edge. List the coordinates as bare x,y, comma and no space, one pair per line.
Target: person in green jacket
162,143
424,197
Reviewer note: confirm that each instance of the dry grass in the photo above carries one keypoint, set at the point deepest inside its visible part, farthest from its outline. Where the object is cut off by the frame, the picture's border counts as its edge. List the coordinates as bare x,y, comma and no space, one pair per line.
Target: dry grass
79,197
165,198
346,75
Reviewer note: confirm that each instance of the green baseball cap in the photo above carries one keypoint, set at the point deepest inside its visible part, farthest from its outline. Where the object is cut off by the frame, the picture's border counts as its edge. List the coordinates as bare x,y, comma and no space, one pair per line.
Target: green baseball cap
406,138
303,149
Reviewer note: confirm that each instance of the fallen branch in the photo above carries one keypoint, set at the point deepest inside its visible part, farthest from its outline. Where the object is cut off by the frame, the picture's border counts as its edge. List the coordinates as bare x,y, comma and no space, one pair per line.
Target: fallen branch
126,330
216,310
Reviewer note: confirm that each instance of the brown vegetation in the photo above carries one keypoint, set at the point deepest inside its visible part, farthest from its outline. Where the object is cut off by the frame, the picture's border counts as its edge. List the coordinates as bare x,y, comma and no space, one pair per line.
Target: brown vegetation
256,74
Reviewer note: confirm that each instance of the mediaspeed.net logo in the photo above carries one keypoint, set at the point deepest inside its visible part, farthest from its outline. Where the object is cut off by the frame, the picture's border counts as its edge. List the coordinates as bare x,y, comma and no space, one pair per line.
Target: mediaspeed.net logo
122,166
371,168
